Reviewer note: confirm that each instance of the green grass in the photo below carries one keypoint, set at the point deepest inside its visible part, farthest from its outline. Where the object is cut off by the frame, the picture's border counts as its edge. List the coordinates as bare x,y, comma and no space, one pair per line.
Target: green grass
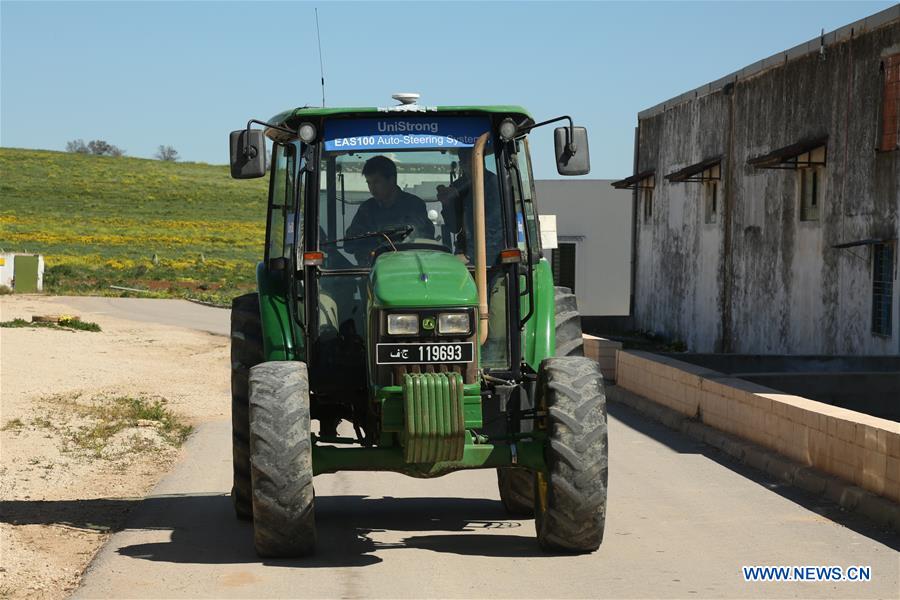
116,414
64,323
67,322
174,229
13,425
15,323
88,426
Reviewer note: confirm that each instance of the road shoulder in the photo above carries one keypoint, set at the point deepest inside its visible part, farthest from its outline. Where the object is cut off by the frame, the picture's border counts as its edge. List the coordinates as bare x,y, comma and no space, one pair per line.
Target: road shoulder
89,422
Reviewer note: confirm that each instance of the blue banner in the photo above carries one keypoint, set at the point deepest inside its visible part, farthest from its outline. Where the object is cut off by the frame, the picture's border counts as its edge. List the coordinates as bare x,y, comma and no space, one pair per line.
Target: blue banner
403,133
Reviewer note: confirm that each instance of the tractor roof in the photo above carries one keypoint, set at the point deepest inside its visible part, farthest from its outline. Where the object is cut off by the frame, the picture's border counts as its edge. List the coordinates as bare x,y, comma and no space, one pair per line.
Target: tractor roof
291,119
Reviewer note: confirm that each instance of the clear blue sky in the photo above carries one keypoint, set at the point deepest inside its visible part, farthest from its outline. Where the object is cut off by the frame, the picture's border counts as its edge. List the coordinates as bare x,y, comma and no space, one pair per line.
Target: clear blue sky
184,74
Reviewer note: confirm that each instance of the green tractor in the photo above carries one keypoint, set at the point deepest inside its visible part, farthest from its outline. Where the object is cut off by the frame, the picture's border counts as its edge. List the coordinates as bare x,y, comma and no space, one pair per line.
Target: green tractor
404,304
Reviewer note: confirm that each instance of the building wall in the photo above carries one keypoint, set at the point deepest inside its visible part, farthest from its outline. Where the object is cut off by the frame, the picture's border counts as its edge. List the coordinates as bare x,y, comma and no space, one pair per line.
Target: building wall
598,218
680,258
760,280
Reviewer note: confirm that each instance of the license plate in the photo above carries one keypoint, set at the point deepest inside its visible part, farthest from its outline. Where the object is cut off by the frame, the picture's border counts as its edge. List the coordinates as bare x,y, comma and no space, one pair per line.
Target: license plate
430,353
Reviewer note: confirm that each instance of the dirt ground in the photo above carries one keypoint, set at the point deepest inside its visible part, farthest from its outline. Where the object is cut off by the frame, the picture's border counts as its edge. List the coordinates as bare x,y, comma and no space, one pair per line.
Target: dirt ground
89,422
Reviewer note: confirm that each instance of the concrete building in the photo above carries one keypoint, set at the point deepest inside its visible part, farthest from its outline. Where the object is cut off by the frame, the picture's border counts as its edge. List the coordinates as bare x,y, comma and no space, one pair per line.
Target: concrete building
593,254
767,202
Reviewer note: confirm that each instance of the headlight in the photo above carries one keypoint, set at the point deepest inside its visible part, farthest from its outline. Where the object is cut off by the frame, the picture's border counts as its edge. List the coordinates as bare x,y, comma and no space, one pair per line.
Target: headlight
403,324
453,323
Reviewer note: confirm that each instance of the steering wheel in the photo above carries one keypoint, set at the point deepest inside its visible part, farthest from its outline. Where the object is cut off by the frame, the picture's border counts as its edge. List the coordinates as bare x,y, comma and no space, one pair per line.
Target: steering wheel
395,234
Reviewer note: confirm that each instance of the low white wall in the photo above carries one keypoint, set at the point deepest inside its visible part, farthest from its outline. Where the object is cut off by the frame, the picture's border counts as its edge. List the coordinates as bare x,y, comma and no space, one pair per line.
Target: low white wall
856,447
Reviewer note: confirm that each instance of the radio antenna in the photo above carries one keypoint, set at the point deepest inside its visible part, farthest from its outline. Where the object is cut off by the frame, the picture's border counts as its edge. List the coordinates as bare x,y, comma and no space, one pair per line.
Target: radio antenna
321,64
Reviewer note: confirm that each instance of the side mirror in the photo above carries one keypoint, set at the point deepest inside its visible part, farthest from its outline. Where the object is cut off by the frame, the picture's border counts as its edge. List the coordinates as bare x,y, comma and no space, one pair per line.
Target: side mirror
278,264
572,158
248,153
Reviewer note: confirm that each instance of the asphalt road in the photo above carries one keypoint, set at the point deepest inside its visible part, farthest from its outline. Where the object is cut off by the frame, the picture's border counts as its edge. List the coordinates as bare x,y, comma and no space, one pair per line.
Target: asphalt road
179,313
682,521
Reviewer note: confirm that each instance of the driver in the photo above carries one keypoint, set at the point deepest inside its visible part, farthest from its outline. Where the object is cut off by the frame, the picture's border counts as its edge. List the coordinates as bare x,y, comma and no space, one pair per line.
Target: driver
456,202
388,208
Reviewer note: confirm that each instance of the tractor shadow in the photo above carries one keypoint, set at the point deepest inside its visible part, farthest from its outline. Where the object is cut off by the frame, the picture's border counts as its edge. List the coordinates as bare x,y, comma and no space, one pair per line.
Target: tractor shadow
683,444
204,530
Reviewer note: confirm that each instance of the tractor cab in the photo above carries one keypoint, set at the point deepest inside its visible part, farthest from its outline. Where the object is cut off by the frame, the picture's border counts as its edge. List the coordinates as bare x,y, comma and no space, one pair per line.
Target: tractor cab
405,305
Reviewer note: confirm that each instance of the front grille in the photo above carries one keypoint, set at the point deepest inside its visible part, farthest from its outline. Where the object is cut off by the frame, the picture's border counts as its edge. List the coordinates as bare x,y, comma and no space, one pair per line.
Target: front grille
467,371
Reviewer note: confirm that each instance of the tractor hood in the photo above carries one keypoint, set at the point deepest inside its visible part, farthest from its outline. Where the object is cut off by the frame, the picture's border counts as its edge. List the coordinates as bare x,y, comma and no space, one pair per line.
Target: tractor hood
421,278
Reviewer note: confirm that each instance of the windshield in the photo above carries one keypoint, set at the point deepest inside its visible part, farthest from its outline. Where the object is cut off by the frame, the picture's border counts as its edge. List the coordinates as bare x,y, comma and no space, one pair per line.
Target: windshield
403,190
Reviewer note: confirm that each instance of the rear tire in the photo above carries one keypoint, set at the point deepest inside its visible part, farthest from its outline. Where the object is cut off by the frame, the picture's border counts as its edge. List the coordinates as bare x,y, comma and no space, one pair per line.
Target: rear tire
516,490
570,497
246,352
281,469
569,341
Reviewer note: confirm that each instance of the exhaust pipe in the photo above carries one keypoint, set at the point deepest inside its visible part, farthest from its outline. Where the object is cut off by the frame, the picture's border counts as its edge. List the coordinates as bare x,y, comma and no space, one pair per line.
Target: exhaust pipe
480,244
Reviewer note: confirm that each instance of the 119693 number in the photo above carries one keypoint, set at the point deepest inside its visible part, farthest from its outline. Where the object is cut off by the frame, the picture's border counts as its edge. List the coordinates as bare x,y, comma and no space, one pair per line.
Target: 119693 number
440,353
412,353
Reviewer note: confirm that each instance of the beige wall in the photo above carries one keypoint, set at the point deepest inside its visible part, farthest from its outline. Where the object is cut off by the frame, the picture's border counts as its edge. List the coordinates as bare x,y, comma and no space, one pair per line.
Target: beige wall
858,448
604,352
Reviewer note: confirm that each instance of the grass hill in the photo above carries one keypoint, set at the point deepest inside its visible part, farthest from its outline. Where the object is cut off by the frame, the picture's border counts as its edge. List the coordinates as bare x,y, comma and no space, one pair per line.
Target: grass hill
176,229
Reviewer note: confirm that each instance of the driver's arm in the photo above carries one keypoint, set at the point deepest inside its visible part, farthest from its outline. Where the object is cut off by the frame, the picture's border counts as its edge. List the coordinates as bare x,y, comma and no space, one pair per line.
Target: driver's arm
361,224
360,221
424,226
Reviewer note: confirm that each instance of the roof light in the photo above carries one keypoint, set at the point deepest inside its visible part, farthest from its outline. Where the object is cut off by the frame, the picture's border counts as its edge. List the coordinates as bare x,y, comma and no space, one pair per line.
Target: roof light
307,133
507,129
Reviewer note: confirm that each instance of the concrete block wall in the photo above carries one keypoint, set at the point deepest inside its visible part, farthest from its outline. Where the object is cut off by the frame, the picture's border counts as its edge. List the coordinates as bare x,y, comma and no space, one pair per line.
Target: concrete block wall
604,352
856,447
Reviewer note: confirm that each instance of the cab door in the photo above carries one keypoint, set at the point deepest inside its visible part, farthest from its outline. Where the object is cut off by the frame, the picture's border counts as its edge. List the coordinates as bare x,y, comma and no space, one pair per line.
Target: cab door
281,294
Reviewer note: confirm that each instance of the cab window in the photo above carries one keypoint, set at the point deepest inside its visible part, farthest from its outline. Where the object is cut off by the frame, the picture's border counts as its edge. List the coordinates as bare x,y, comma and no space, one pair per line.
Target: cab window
524,189
371,200
281,201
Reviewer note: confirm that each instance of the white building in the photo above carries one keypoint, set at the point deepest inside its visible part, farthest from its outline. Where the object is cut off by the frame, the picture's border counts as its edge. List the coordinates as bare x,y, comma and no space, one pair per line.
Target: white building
593,227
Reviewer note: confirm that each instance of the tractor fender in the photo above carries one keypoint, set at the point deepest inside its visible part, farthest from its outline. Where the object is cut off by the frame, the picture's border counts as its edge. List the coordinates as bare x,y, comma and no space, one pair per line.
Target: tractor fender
539,336
280,341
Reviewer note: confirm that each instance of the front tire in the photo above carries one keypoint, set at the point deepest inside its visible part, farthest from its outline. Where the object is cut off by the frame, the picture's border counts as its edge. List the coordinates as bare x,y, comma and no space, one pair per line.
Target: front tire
570,497
517,485
281,469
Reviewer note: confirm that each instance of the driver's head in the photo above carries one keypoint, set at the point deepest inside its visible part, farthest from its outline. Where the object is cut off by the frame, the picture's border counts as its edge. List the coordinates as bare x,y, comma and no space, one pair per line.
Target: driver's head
381,177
